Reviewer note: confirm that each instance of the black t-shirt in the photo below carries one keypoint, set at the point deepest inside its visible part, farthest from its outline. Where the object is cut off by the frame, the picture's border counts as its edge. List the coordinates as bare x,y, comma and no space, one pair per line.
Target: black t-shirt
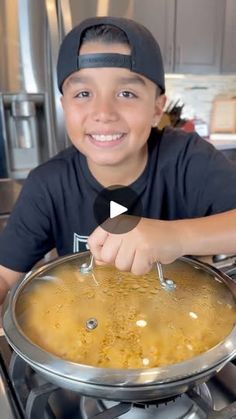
185,177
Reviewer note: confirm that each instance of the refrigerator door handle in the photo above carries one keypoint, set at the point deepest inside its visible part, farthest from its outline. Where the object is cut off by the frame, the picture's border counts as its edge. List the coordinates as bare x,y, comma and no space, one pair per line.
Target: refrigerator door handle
60,139
65,16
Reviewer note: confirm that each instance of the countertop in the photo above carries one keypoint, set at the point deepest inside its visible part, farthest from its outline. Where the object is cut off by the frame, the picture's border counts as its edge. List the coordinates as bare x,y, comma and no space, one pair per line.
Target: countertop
9,192
223,144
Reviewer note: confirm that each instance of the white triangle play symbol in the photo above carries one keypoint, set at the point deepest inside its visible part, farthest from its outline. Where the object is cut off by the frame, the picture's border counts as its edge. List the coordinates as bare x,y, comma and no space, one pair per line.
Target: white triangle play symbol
116,209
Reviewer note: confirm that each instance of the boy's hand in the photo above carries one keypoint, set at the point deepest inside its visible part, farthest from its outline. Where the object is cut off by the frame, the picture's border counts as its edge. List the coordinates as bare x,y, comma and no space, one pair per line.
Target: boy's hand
136,251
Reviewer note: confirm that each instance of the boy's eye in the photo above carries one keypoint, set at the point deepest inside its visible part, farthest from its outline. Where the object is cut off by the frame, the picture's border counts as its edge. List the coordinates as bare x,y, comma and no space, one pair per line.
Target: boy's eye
82,94
127,94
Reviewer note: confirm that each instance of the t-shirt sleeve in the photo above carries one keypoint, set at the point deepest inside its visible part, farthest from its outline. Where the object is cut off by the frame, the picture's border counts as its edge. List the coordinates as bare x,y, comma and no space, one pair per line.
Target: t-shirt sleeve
209,179
28,234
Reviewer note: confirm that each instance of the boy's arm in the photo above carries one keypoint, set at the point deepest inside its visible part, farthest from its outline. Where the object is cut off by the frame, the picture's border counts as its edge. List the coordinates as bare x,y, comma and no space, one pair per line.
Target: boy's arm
210,235
8,278
164,241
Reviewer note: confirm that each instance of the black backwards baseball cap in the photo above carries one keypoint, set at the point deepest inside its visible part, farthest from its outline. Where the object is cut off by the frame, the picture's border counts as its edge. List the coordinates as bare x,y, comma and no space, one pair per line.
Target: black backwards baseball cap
145,58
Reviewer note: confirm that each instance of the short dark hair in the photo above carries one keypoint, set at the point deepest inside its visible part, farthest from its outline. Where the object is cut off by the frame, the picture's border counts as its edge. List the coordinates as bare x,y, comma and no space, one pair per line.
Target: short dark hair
104,33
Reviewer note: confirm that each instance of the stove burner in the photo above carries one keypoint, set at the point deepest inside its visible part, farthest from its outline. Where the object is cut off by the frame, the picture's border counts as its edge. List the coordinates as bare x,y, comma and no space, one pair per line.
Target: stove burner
181,406
147,404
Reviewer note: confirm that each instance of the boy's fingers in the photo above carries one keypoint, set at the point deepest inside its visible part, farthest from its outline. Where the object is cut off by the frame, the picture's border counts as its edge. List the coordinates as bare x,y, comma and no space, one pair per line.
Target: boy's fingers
110,248
96,241
125,257
141,264
99,262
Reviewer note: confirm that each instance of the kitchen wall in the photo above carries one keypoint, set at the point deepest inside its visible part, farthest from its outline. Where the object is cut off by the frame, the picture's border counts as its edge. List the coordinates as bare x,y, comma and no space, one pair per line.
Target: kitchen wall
198,92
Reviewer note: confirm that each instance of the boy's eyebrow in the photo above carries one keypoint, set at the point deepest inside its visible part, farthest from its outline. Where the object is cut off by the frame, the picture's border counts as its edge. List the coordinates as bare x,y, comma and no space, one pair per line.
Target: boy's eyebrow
134,79
77,79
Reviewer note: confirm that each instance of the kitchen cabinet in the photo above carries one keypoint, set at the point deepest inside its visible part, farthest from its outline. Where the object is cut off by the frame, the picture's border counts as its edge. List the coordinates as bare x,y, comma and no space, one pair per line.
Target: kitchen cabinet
198,36
159,17
229,56
195,36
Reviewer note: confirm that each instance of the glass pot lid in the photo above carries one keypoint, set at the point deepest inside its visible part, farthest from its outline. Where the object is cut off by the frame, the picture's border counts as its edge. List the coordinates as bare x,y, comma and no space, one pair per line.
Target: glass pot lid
112,319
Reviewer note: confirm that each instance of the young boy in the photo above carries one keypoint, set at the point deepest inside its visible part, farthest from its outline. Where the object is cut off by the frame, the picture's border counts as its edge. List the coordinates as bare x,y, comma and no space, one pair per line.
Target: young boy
111,77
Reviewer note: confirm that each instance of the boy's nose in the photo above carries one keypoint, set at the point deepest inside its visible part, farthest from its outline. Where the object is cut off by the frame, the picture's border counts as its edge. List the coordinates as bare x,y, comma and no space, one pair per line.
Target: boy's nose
104,111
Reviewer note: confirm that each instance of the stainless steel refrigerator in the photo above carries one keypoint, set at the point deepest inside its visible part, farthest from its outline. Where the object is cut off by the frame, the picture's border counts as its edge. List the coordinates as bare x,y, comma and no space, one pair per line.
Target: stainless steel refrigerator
31,120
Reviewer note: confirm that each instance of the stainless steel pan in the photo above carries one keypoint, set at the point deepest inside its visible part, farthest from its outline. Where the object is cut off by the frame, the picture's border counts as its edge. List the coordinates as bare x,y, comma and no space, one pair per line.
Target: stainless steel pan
117,384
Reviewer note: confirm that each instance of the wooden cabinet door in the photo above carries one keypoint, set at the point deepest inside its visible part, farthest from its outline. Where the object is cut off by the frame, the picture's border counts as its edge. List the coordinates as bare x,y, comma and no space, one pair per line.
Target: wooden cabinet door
229,54
198,36
158,16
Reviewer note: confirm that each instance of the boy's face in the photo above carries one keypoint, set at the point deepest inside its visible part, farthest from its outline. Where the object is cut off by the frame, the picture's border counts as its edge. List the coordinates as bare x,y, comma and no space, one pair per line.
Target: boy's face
109,112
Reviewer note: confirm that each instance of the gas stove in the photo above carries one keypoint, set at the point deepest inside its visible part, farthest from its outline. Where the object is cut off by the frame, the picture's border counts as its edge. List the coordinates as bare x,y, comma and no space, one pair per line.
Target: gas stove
24,394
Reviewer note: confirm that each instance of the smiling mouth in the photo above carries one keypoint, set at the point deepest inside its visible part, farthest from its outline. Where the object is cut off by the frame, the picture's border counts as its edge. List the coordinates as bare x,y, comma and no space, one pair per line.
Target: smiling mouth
104,138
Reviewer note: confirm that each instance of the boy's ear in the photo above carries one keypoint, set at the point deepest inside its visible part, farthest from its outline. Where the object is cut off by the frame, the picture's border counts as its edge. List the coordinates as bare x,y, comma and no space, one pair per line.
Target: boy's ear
160,104
159,108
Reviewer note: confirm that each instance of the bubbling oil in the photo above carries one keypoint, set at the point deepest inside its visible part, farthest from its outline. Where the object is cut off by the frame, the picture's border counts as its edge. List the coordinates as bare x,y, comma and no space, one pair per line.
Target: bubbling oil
140,324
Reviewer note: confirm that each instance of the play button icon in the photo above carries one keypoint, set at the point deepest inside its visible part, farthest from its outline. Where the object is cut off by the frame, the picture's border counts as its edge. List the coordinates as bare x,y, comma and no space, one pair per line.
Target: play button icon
118,209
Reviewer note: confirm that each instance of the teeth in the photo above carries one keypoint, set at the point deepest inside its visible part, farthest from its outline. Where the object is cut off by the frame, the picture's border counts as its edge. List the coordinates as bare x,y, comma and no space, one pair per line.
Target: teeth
103,137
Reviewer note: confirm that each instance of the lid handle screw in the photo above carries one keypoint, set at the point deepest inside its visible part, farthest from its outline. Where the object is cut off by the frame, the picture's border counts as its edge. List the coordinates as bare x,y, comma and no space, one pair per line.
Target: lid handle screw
91,323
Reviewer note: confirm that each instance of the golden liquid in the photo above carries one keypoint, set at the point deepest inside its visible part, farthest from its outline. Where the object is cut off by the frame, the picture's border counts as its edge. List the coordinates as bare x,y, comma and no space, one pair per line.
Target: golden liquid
140,324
